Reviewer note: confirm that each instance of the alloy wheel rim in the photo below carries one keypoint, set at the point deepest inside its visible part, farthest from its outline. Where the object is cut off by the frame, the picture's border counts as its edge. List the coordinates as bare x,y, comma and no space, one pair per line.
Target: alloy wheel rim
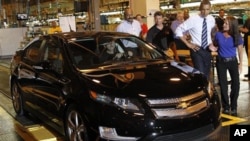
15,98
76,126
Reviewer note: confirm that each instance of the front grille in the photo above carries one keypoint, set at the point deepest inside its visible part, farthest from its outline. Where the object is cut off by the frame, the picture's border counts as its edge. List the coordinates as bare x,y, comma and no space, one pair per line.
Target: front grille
174,112
178,107
155,102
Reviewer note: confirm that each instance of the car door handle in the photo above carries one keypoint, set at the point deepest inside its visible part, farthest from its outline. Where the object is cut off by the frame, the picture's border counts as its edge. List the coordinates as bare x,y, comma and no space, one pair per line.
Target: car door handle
37,67
64,81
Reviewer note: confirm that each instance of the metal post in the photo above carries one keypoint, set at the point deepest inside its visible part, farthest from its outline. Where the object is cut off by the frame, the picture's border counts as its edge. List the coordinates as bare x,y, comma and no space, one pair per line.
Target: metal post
96,16
39,9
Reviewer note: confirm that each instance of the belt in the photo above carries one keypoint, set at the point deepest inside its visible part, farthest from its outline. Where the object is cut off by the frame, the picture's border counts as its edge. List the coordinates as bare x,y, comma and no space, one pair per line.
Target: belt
227,59
204,48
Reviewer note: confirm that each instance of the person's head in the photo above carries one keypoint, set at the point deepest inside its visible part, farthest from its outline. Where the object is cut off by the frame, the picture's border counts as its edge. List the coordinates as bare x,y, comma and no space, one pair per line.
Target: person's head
180,16
221,13
230,24
128,15
110,47
158,17
205,8
138,17
186,14
53,24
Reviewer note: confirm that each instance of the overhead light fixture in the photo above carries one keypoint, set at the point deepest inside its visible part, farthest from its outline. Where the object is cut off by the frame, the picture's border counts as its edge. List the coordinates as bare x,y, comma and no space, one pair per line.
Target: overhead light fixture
167,7
111,13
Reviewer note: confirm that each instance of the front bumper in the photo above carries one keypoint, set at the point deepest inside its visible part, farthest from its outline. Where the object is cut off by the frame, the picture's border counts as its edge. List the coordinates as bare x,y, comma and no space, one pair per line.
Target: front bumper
193,135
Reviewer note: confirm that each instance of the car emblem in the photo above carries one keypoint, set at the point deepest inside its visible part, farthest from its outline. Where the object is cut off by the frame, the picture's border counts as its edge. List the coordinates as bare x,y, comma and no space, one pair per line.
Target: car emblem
182,105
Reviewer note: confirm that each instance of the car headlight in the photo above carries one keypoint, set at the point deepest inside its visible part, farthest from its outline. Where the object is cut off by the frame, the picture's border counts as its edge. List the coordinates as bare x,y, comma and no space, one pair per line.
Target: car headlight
124,103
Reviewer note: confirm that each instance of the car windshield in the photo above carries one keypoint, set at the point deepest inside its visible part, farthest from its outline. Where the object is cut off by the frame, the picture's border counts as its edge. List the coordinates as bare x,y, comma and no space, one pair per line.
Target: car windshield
104,50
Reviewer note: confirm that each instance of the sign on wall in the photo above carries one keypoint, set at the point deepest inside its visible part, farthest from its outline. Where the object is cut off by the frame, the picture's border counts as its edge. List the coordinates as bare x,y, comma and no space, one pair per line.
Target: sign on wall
67,23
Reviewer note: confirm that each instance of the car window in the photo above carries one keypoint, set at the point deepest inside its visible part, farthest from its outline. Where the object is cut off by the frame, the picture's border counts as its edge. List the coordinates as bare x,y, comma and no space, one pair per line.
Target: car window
33,51
131,47
53,55
83,53
87,53
138,49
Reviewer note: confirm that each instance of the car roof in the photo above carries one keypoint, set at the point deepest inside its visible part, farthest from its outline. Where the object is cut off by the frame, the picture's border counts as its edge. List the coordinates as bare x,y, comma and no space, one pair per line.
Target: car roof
89,34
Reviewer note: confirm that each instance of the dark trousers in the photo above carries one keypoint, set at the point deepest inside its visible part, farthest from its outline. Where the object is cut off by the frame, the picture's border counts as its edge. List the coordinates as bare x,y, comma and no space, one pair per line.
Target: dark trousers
202,61
246,43
228,100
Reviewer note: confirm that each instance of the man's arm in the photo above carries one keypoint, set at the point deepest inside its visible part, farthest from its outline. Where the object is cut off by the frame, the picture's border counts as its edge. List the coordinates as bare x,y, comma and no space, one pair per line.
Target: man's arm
240,56
181,29
213,45
172,46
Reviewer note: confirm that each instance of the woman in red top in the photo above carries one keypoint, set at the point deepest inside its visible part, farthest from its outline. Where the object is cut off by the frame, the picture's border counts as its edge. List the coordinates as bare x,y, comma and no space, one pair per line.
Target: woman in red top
144,26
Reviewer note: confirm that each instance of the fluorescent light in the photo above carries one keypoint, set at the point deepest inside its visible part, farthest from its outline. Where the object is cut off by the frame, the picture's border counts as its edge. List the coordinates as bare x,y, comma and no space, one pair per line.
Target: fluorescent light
167,7
111,13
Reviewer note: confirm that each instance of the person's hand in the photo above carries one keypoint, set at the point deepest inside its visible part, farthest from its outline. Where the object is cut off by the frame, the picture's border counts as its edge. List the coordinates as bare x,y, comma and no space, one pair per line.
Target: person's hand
118,56
244,30
130,53
193,47
212,48
177,58
240,68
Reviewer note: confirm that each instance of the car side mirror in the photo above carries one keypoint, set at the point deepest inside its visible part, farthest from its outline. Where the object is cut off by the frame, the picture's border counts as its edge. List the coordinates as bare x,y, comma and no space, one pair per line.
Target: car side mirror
18,55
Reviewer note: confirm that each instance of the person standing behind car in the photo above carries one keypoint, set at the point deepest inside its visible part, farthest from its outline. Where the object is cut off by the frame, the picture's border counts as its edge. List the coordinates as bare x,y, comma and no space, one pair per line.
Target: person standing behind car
186,14
228,40
246,31
54,28
220,19
200,54
129,24
178,42
144,27
161,36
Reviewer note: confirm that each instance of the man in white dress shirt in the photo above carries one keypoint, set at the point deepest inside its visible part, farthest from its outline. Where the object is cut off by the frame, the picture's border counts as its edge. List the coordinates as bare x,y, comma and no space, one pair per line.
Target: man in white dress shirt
129,24
201,55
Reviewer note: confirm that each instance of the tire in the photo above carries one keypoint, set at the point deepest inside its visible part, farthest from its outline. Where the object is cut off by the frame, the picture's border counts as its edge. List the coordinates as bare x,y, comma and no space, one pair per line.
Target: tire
17,99
75,126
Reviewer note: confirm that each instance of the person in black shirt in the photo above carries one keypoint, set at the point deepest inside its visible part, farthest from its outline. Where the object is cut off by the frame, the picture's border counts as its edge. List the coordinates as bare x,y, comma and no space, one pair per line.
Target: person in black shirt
220,19
161,36
110,52
246,31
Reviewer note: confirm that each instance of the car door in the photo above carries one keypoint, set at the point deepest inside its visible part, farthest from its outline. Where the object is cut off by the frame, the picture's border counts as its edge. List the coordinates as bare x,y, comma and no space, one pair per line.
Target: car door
50,78
27,72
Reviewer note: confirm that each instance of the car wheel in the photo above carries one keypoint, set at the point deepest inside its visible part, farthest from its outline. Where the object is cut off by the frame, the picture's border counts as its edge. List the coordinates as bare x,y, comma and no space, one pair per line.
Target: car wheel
17,99
76,129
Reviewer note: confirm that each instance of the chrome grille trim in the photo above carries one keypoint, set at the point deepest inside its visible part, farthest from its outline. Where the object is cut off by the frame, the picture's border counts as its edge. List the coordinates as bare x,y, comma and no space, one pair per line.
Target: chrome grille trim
152,102
173,112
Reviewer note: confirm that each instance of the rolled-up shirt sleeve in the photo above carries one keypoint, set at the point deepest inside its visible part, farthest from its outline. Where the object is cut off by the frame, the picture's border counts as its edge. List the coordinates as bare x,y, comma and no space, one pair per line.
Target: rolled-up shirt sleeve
181,29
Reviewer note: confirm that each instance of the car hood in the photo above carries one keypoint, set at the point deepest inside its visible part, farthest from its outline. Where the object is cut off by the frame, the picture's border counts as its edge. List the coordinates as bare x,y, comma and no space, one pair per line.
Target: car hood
153,79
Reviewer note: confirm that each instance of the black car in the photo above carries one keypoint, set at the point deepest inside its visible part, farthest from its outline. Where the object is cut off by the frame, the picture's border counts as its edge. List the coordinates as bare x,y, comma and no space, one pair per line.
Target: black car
112,86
